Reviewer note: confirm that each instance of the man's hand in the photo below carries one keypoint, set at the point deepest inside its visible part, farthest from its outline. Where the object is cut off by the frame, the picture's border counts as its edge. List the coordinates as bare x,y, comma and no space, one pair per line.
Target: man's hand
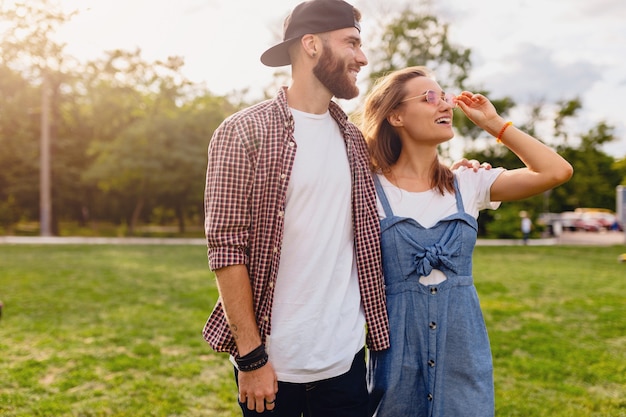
471,164
258,388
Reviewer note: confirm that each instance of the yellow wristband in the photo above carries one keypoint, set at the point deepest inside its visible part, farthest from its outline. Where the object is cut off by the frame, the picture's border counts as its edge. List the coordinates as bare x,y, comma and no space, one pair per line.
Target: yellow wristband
499,137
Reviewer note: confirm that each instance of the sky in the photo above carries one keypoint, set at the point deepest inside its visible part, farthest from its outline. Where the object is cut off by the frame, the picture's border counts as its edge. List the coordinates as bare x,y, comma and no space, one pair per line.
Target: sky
530,50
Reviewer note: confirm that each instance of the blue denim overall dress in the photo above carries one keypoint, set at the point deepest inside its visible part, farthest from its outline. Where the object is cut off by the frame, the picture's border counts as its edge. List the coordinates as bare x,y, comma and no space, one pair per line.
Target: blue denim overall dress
439,363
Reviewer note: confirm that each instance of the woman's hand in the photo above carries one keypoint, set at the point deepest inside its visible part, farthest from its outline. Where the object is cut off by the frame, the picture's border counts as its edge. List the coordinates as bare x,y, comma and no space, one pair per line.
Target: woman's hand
480,111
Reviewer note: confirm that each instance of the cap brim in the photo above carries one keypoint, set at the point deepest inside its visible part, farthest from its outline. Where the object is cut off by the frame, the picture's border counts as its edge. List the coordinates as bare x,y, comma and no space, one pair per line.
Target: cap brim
278,55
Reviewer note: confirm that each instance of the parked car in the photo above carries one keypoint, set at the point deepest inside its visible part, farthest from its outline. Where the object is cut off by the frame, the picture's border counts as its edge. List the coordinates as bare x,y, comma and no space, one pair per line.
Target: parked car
595,221
588,222
581,219
569,219
610,221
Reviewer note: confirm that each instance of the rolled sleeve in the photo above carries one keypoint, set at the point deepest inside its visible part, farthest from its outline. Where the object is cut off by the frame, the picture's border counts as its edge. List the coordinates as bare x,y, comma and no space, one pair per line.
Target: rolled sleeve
228,183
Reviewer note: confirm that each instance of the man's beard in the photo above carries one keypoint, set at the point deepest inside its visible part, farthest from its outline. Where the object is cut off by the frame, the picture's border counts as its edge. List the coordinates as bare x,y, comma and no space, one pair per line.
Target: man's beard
333,74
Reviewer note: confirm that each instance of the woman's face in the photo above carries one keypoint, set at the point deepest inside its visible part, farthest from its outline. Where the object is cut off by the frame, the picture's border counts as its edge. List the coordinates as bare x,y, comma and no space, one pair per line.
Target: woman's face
422,121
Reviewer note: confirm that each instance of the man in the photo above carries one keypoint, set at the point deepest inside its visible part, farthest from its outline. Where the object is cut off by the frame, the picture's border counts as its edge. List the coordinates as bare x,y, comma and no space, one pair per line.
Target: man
293,233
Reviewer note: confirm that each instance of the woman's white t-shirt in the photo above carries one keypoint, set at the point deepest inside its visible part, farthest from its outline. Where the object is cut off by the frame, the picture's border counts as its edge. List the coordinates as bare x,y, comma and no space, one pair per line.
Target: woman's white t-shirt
428,207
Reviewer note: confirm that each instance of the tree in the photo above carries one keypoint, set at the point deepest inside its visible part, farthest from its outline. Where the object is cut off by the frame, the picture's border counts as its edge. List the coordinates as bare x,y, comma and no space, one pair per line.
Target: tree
151,128
130,99
620,167
567,109
19,124
28,47
413,38
185,139
595,174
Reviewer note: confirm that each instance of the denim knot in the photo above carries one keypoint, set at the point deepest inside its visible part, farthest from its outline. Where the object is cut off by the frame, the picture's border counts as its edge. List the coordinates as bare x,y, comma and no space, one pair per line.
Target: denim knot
432,257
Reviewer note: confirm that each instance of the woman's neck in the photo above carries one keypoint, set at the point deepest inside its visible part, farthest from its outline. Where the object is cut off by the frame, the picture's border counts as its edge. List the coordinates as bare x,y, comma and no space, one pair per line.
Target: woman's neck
413,173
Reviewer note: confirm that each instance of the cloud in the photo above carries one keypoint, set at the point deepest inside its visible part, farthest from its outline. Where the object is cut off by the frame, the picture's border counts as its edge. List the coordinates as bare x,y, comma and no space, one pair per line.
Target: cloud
615,9
533,73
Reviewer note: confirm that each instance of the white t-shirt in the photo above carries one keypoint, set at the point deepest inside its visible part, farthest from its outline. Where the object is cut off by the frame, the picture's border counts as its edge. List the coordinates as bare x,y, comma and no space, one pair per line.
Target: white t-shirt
428,207
318,324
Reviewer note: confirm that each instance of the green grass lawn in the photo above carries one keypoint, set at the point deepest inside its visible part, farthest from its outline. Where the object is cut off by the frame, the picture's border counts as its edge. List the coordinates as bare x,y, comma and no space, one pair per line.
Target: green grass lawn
103,330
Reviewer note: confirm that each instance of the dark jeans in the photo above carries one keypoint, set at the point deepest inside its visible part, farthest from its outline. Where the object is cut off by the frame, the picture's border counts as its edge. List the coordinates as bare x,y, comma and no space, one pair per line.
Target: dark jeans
341,396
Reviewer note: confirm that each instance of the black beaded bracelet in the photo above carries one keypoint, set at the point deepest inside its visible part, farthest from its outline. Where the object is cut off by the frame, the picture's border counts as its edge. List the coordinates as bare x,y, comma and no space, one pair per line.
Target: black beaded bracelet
253,360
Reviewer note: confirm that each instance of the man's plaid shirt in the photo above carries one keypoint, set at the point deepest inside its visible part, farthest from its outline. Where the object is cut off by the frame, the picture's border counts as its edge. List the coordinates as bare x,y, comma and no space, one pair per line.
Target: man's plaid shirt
250,159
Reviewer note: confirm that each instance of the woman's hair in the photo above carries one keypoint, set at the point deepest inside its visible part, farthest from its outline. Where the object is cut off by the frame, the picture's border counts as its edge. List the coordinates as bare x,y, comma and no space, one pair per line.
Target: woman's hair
382,139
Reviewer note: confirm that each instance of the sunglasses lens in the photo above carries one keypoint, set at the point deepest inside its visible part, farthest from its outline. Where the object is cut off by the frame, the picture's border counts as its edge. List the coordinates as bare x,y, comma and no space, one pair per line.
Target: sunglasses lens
432,97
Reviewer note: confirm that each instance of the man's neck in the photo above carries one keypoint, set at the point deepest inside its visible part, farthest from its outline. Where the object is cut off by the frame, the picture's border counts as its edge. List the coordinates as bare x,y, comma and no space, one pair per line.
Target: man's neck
309,97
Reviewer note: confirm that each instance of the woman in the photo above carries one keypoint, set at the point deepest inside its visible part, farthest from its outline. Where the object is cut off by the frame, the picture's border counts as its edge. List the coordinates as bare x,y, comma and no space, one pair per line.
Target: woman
439,363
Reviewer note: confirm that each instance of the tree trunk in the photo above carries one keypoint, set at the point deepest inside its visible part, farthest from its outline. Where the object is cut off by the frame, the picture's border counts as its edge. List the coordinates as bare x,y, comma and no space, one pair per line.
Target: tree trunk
135,217
181,219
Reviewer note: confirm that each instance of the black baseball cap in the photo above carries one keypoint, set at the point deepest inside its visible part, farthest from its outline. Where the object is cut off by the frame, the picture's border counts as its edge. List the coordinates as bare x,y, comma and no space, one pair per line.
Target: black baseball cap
310,17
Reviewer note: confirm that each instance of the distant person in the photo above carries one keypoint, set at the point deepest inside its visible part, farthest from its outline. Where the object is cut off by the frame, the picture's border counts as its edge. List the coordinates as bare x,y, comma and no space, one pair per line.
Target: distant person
439,361
615,224
526,226
557,228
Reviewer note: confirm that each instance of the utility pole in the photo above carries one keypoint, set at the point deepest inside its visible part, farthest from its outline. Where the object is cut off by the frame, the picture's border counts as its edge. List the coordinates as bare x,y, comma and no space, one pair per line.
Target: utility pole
45,205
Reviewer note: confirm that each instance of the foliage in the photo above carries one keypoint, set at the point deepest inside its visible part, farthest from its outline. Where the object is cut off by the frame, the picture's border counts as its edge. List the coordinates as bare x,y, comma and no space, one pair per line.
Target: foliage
595,177
114,330
593,184
567,109
19,157
620,167
129,136
412,38
28,44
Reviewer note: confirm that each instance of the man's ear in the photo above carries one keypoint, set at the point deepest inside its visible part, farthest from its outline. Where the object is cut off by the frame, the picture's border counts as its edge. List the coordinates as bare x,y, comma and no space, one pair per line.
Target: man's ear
310,45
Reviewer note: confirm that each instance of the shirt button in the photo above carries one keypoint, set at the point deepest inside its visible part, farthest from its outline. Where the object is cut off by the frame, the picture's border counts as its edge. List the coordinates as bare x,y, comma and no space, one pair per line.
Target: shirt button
281,213
433,290
291,144
430,397
431,363
275,249
432,325
266,318
283,176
